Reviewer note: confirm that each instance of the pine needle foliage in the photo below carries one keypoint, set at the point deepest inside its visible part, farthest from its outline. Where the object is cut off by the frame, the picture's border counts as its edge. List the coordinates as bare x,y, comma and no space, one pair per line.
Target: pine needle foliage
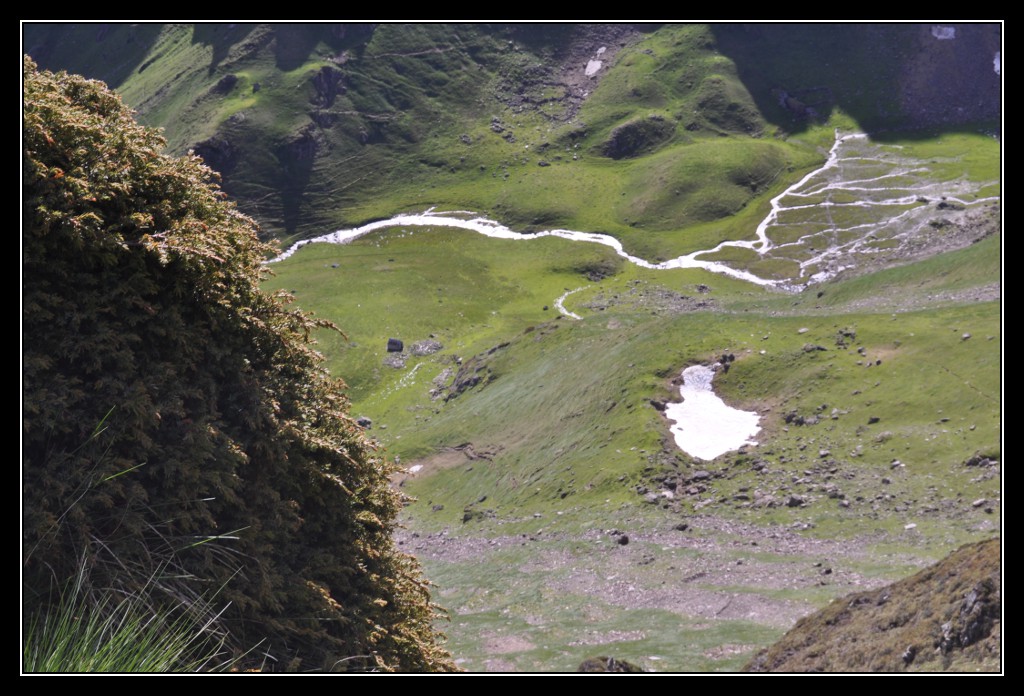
179,430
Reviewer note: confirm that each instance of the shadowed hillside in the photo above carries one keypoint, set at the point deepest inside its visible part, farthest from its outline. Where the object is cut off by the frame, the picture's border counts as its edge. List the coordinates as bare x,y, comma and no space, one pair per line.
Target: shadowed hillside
314,126
945,618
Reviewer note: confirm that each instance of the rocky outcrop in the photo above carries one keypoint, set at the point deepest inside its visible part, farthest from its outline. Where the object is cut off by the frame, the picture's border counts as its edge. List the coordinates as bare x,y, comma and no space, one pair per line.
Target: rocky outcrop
944,618
328,83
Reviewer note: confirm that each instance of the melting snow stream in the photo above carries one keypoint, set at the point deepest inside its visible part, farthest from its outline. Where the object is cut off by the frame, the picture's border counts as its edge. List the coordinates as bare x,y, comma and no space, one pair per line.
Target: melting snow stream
863,200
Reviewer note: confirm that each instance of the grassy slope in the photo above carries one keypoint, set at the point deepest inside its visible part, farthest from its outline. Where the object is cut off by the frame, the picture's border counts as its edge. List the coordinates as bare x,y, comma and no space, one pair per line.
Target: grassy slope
410,125
565,419
564,424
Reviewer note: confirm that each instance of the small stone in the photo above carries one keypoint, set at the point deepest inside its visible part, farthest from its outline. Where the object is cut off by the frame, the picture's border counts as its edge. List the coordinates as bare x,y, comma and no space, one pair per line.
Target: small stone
622,540
909,654
979,502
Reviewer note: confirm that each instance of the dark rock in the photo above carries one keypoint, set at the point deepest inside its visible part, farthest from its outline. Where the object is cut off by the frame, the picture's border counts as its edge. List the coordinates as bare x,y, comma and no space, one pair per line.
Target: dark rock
909,654
543,163
226,83
218,152
658,404
622,540
795,501
979,460
608,665
845,335
395,345
681,527
437,508
471,514
873,419
364,422
302,148
328,83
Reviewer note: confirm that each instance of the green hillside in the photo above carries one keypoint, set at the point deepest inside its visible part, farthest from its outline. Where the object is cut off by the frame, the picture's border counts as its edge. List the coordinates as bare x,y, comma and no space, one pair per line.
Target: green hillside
319,125
548,502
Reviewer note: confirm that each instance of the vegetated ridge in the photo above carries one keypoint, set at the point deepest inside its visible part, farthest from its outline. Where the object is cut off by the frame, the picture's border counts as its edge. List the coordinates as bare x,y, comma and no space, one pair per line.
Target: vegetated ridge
945,618
182,444
315,126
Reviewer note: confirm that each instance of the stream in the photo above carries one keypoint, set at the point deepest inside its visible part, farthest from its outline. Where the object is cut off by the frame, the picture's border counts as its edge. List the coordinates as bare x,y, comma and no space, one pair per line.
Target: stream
864,197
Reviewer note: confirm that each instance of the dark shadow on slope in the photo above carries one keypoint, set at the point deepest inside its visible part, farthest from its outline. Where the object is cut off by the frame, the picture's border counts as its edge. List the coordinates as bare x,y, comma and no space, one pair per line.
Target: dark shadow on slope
294,43
883,75
297,158
221,38
110,52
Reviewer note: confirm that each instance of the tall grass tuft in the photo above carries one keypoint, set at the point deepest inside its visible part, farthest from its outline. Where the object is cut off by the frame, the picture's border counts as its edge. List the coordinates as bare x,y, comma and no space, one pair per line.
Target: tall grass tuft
121,635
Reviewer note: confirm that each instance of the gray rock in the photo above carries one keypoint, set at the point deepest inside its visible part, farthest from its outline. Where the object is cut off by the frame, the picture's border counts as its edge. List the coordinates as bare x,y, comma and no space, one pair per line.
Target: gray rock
426,347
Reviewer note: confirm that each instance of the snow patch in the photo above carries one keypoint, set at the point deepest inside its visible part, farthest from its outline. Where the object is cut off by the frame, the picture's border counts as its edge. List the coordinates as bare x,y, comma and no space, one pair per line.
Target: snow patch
943,33
997,63
705,427
592,67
